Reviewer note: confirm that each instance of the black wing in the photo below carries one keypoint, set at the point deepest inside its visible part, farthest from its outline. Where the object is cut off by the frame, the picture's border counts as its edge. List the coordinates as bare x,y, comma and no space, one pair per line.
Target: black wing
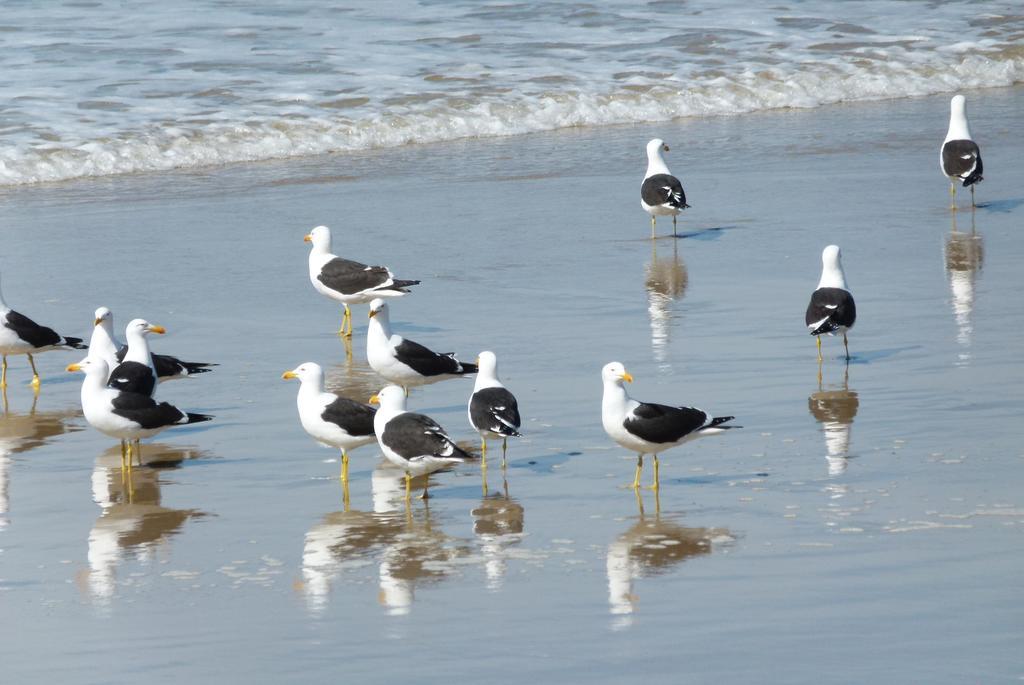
426,362
133,377
145,411
962,158
412,435
660,423
663,189
829,309
31,332
167,366
496,410
355,418
348,277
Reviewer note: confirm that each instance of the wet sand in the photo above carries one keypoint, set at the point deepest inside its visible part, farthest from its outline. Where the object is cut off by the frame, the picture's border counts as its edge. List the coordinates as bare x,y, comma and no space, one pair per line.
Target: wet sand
866,525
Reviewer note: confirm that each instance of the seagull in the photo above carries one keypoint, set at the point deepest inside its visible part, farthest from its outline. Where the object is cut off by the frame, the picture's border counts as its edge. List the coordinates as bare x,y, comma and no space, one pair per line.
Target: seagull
21,335
661,193
411,441
493,410
959,157
105,345
127,416
136,372
405,362
330,419
647,428
831,309
347,281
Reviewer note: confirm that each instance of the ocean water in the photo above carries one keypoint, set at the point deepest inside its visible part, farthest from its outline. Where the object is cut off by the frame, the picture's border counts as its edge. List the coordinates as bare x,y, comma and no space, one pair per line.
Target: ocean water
93,88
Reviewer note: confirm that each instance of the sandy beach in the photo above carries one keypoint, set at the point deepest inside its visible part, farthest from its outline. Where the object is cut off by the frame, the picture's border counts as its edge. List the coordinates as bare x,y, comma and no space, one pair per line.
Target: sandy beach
861,528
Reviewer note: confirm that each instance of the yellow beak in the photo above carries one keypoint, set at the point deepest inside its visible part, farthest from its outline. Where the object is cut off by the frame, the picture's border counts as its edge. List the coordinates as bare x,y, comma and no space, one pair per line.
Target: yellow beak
373,313
626,377
287,375
374,400
97,322
157,329
73,367
308,238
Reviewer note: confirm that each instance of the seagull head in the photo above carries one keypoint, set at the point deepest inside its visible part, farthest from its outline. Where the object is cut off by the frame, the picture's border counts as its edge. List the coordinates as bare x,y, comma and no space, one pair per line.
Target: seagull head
305,372
390,398
958,105
143,327
320,237
103,317
614,372
487,362
831,256
832,275
656,147
90,366
379,307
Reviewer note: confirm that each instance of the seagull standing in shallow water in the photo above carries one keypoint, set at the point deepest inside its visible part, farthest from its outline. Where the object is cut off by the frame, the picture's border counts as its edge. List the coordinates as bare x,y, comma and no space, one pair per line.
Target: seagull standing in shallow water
21,335
831,309
661,193
647,428
347,281
959,157
493,410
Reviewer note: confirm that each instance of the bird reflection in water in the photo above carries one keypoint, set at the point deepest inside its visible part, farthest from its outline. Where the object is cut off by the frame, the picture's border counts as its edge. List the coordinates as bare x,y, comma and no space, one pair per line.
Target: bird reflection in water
666,280
404,542
498,525
23,432
965,254
835,410
133,524
653,545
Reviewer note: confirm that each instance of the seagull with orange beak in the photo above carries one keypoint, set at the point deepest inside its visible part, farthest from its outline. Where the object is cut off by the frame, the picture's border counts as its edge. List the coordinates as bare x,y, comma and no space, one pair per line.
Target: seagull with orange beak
136,372
647,428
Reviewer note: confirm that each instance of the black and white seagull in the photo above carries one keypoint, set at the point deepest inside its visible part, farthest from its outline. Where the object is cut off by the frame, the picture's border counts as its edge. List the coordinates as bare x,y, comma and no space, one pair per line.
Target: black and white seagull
413,442
405,362
21,335
959,157
330,419
661,193
347,281
127,416
831,309
135,372
104,344
493,410
647,428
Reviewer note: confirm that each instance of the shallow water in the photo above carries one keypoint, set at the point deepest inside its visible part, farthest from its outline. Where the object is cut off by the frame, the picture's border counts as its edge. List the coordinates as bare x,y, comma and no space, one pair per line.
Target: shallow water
865,526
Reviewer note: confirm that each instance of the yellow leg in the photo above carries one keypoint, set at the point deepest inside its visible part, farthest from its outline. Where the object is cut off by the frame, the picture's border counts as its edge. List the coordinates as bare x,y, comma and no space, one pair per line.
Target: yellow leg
483,478
655,484
344,467
344,494
408,485
129,444
124,453
654,221
3,391
483,453
639,468
3,376
35,374
346,320
818,338
952,195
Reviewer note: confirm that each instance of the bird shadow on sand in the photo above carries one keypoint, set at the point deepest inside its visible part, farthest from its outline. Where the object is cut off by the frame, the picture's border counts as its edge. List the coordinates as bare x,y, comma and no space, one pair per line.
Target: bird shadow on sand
1001,206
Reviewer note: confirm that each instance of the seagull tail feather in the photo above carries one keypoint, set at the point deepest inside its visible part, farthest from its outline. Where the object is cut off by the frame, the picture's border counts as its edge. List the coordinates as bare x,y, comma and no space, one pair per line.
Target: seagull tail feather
75,343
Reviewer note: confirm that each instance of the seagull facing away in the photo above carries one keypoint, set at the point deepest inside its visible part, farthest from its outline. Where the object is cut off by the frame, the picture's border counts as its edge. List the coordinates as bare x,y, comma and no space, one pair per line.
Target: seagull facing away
413,442
959,157
647,428
831,309
661,193
127,416
21,335
493,410
105,345
347,281
405,362
330,419
136,372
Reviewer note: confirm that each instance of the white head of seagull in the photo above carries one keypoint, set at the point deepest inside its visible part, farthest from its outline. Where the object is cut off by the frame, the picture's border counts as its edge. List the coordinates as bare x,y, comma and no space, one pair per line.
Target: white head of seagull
310,375
392,402
958,129
832,275
102,343
320,236
487,371
655,162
